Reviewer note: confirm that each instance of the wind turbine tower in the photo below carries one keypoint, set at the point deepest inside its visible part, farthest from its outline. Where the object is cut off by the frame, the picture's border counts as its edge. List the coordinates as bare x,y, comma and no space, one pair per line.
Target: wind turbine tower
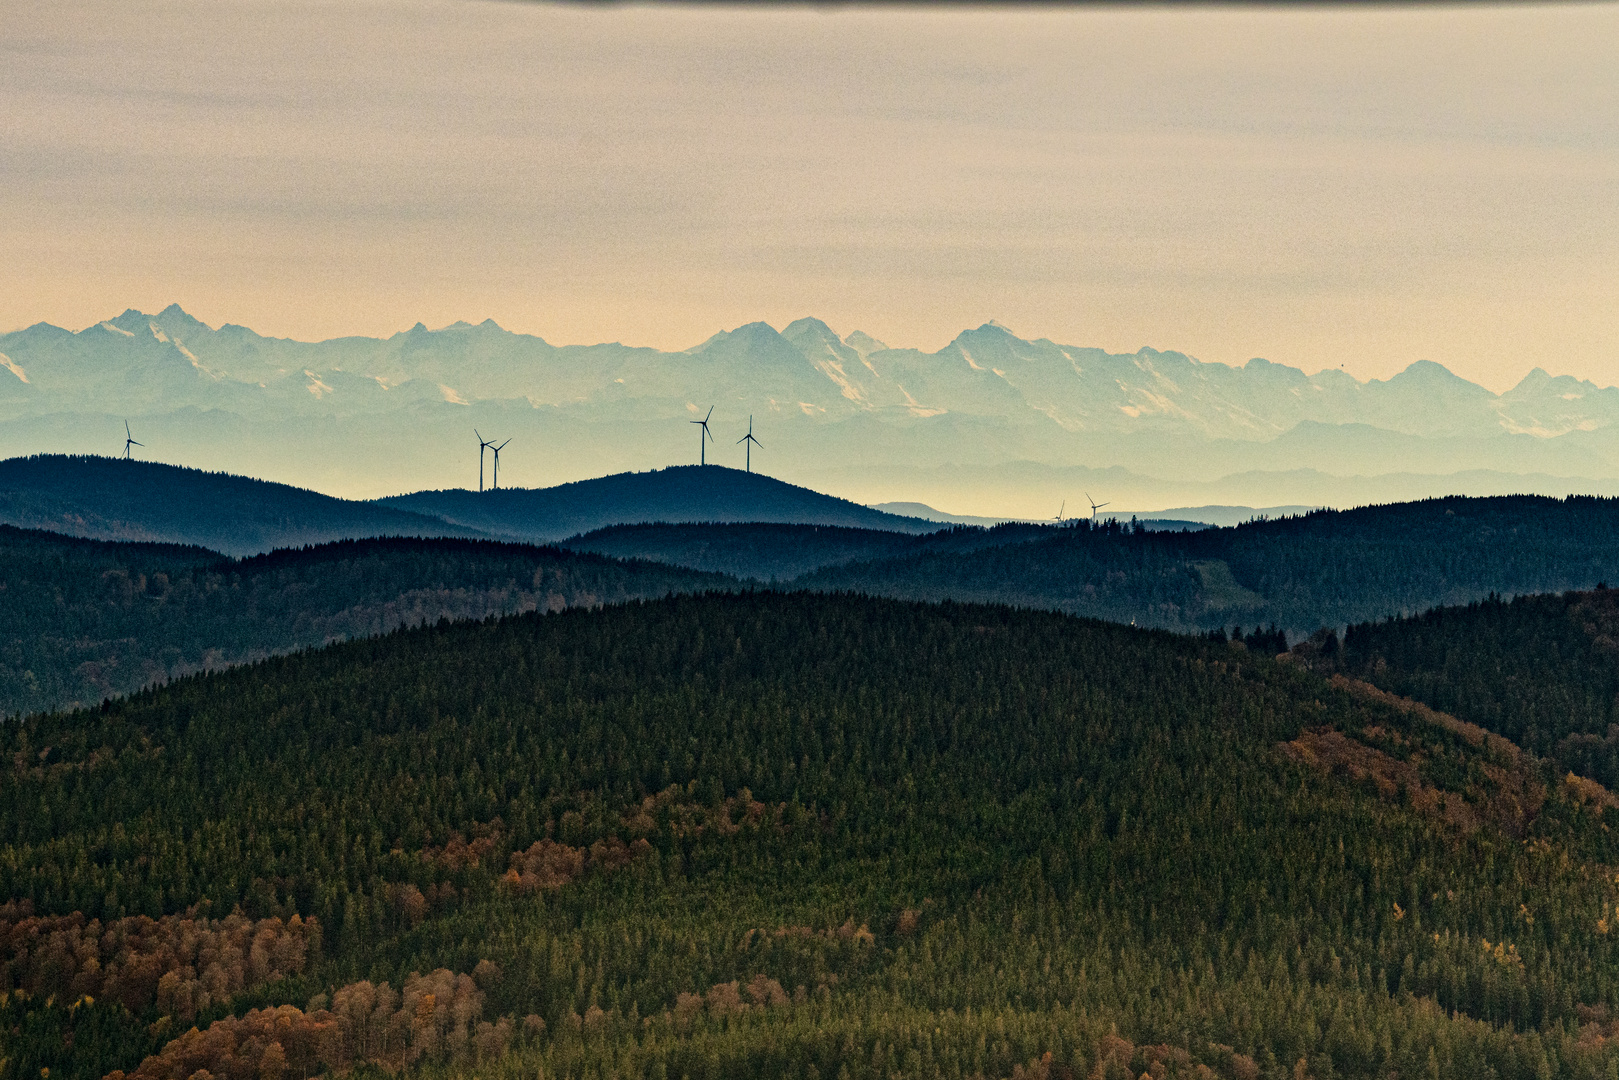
497,450
752,442
129,440
482,445
704,437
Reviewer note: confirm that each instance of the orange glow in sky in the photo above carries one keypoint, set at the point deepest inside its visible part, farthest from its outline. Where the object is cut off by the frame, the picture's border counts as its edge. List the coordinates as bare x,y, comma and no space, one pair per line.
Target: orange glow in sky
1360,187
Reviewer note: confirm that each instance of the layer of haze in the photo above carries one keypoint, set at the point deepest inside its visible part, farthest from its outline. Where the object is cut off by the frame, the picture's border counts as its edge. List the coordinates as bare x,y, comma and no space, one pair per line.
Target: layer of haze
1322,187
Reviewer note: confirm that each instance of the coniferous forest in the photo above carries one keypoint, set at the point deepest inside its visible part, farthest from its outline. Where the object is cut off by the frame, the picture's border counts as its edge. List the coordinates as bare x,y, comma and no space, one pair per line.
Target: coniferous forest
83,620
1326,568
1543,670
799,835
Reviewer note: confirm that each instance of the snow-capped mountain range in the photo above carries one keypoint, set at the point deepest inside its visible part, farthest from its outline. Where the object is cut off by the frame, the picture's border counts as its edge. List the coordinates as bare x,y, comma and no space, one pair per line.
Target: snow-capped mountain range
990,415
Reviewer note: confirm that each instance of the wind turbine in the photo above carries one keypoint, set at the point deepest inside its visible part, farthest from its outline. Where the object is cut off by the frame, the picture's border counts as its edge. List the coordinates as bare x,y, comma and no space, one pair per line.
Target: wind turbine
752,442
497,450
1060,509
129,440
1095,506
482,444
702,446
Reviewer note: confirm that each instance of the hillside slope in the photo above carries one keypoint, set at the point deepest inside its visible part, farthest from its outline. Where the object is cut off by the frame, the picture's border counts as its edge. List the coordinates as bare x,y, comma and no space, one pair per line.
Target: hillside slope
797,836
112,499
1541,670
81,620
93,620
685,493
1326,568
776,552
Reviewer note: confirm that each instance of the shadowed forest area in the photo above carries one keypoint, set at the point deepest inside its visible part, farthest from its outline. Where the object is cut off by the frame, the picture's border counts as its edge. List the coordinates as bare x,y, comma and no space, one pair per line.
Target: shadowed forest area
1327,568
84,620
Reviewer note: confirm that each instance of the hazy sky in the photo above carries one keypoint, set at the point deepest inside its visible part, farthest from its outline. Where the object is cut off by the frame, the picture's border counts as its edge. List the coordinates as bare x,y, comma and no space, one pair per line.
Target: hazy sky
1361,187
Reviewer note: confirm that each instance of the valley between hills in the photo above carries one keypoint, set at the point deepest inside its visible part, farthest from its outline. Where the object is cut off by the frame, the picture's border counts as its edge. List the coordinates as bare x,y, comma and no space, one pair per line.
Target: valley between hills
693,774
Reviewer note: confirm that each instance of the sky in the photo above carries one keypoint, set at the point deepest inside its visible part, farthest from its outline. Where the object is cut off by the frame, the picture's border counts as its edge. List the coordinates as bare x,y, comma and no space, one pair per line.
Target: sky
1323,187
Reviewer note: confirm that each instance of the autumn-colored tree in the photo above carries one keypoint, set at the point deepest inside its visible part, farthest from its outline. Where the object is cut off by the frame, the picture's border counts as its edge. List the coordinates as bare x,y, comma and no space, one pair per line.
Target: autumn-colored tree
273,1063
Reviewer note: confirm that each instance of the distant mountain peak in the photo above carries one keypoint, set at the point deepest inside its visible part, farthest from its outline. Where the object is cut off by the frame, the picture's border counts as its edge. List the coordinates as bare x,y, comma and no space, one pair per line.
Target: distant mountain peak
747,336
1436,383
1261,368
989,395
179,324
864,344
806,324
990,332
1429,369
129,321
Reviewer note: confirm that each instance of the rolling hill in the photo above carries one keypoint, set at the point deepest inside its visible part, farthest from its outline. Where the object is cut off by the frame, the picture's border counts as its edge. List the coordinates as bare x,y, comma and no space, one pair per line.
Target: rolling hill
83,620
1325,568
98,619
798,836
1542,670
780,552
686,493
112,499
761,552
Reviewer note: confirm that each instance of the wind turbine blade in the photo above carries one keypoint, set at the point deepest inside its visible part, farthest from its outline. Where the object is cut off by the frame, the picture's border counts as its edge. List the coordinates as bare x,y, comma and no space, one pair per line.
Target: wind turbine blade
710,414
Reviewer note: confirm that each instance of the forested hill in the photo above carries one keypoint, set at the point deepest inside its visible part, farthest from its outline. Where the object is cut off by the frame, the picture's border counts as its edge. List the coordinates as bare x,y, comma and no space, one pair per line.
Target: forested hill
113,499
799,836
1324,568
1541,670
81,620
778,552
684,493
